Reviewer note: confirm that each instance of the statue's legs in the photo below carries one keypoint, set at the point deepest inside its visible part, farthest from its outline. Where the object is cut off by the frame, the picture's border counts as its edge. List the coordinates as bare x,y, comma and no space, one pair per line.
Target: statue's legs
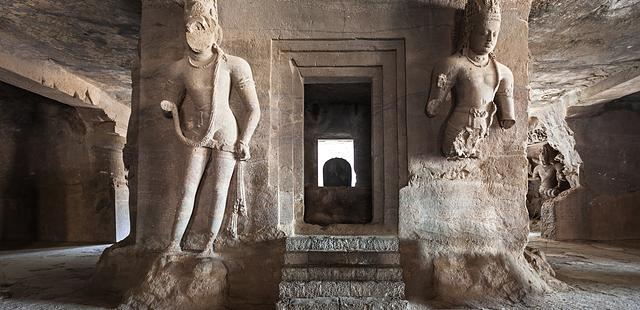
195,167
219,173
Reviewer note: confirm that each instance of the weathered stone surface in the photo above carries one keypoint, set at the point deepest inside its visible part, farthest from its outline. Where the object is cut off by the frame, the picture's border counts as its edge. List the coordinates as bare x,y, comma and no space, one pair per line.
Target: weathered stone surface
572,51
342,244
468,217
342,273
456,209
320,270
61,173
93,40
343,303
605,207
313,289
332,258
186,280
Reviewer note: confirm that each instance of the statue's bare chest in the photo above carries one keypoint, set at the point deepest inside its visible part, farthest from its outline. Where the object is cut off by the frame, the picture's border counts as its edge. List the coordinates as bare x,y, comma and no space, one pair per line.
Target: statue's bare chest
482,80
199,84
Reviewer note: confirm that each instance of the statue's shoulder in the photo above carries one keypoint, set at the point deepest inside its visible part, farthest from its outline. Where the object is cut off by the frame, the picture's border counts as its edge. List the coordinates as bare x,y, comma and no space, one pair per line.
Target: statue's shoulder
505,72
450,63
236,63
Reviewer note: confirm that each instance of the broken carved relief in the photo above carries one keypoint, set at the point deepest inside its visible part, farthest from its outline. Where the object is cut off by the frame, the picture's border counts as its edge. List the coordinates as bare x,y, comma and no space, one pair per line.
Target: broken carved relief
197,98
481,86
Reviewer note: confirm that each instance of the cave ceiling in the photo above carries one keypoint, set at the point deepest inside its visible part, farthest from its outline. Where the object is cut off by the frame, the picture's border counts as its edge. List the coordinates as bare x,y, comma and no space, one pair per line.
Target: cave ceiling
94,40
575,44
585,49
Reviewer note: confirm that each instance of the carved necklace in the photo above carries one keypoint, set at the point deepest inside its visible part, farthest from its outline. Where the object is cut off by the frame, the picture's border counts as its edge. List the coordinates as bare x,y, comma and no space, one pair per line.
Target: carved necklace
476,62
207,65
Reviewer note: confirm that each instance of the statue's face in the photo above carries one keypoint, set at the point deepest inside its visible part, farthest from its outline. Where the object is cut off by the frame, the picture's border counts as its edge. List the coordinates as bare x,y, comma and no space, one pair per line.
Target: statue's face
200,33
484,36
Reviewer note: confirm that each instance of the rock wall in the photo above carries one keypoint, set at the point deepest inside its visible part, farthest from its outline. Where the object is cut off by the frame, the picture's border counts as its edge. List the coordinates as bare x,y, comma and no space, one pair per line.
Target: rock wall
464,224
605,207
59,180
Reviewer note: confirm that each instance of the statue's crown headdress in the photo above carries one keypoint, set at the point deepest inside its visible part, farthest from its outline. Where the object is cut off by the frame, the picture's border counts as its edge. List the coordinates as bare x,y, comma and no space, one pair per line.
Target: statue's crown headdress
483,10
204,12
202,8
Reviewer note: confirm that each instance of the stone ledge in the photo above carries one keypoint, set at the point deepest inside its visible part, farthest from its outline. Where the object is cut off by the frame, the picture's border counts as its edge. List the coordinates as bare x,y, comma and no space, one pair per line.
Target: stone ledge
343,304
342,244
330,258
314,289
342,273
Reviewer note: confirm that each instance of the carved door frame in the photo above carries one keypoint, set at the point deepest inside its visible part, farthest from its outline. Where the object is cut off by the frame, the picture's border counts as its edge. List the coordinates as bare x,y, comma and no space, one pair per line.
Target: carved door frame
298,62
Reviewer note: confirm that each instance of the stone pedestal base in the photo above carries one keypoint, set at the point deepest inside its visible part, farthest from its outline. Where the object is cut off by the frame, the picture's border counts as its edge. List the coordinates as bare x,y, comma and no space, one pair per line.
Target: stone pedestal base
156,281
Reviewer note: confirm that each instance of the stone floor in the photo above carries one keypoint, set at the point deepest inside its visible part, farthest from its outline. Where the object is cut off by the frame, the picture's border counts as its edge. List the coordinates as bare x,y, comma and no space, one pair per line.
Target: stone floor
602,276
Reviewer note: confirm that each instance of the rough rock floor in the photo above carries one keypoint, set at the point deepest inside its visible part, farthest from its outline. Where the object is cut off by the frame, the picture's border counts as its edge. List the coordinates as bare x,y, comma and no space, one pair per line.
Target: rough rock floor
602,276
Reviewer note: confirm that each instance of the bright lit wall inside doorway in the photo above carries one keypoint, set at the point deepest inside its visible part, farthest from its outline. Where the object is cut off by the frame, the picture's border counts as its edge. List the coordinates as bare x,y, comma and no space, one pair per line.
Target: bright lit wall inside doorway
335,148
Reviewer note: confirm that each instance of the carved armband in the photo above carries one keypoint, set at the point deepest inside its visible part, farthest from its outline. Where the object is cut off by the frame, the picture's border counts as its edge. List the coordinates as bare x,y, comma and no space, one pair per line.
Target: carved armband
442,81
507,92
242,84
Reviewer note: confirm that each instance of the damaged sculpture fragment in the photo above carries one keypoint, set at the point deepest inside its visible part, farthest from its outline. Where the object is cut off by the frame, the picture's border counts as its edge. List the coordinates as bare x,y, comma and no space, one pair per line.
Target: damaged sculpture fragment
480,85
197,99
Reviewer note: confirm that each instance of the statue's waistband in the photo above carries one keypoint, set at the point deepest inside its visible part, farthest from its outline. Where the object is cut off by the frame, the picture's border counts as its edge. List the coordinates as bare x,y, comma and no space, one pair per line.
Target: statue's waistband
220,146
489,108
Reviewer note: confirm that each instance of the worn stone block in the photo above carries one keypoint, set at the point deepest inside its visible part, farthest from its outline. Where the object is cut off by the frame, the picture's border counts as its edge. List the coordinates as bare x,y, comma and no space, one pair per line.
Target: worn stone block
343,304
342,244
313,289
328,258
342,273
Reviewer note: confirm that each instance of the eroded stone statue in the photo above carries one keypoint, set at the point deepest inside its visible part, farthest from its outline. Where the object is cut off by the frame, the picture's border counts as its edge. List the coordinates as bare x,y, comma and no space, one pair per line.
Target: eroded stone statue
480,85
197,97
549,171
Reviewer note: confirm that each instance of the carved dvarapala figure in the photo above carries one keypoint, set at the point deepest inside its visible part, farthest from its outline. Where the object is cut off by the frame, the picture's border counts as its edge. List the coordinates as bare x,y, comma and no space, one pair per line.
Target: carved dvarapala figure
550,172
198,100
477,81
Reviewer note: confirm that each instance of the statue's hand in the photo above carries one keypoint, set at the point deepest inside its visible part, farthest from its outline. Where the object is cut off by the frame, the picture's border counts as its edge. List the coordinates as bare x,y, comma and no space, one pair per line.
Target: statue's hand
430,109
242,151
167,106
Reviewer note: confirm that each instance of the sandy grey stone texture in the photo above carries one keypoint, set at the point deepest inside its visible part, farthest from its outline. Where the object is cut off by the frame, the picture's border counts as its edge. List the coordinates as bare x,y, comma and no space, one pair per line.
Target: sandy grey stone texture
61,173
573,50
605,206
462,216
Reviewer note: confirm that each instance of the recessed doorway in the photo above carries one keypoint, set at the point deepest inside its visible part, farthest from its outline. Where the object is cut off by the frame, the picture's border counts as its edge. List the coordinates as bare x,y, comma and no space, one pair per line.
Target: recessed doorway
337,153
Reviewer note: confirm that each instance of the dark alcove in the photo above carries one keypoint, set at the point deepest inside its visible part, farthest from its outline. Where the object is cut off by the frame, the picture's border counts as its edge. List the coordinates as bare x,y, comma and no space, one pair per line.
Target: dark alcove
337,153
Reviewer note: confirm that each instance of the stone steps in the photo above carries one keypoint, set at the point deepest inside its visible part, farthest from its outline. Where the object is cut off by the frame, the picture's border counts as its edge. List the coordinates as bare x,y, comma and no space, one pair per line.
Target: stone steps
342,303
349,273
342,272
342,244
333,258
314,289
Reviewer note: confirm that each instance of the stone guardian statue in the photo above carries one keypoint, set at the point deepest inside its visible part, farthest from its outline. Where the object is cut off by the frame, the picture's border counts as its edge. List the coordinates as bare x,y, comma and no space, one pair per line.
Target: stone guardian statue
480,85
197,98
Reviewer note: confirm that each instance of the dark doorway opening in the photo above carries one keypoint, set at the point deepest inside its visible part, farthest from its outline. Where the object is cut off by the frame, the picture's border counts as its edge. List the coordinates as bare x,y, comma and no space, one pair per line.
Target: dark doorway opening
337,153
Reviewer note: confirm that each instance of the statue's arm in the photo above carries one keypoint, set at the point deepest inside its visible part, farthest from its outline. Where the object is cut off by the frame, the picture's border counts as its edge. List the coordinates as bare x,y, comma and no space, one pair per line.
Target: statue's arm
536,174
242,79
504,99
173,90
442,80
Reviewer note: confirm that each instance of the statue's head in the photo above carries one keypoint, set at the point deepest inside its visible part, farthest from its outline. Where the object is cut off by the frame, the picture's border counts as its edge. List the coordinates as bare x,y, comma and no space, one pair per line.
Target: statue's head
202,27
482,25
